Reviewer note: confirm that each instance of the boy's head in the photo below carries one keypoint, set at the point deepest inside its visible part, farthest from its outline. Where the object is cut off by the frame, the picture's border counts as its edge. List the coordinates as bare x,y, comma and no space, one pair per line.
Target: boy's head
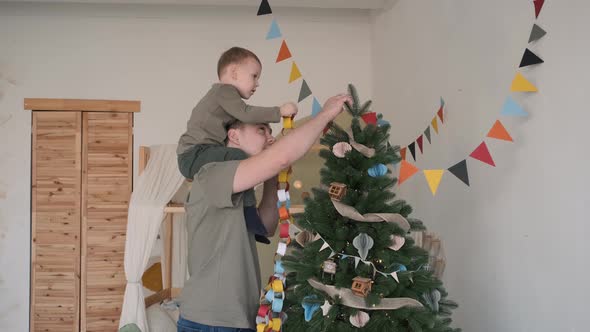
240,68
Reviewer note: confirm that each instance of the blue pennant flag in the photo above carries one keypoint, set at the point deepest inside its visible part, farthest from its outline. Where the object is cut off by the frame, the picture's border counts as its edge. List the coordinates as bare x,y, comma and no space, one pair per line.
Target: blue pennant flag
316,108
511,108
274,31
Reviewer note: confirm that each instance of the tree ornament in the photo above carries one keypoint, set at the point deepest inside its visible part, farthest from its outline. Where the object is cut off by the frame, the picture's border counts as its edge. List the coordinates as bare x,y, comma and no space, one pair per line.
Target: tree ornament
337,190
377,170
361,286
363,243
329,266
341,149
309,308
304,238
360,319
397,242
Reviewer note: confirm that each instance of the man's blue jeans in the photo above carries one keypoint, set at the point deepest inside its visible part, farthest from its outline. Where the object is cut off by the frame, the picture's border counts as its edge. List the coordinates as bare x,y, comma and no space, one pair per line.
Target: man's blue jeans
189,326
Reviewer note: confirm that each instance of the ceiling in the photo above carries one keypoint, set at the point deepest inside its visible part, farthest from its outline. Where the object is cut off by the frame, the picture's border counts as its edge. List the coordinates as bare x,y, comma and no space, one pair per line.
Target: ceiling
343,4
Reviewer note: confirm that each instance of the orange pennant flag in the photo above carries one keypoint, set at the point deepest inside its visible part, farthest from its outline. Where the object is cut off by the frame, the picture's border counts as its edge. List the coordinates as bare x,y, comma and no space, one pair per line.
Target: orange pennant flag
295,73
284,52
498,131
403,152
406,171
434,124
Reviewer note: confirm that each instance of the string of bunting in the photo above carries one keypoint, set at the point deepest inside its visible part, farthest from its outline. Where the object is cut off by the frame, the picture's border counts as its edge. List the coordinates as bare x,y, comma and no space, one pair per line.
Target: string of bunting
426,133
497,131
284,54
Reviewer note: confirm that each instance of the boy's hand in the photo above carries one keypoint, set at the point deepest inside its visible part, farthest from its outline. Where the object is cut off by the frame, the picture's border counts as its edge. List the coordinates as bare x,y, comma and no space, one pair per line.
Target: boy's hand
288,109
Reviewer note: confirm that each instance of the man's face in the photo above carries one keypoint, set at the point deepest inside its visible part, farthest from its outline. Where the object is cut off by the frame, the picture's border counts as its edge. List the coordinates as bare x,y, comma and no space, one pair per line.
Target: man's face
253,138
246,77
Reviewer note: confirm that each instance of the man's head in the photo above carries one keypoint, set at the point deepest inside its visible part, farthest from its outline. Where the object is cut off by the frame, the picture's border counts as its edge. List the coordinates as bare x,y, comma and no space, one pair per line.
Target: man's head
240,68
251,138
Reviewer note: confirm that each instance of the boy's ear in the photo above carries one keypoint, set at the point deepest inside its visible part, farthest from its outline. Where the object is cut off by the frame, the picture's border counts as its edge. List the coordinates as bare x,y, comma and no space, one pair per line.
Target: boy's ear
232,136
233,71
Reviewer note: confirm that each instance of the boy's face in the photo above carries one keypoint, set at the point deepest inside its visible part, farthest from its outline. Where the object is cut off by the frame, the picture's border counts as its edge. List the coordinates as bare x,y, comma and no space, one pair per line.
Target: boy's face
245,77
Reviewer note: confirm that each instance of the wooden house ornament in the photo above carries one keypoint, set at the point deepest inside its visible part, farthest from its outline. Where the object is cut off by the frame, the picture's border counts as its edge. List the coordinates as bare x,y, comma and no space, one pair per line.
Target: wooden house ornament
361,286
337,191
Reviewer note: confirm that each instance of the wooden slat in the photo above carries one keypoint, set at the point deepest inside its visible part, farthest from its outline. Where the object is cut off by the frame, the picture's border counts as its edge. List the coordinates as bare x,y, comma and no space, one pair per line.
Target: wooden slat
55,221
92,105
106,190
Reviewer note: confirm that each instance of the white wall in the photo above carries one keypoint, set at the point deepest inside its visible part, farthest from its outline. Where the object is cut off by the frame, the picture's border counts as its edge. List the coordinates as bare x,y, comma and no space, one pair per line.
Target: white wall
163,56
516,239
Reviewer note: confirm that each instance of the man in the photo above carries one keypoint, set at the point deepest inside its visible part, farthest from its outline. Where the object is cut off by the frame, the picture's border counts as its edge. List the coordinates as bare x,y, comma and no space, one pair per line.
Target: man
224,286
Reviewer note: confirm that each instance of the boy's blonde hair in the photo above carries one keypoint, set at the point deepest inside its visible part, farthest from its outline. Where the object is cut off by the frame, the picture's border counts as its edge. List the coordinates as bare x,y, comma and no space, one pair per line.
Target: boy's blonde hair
234,55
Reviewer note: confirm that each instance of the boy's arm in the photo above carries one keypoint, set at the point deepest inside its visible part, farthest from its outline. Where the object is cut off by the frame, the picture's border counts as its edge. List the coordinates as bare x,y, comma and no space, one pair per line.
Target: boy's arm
288,149
267,210
229,99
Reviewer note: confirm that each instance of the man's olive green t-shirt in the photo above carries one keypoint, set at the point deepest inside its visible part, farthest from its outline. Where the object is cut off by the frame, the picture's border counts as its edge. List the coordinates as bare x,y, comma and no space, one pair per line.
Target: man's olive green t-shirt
224,284
220,106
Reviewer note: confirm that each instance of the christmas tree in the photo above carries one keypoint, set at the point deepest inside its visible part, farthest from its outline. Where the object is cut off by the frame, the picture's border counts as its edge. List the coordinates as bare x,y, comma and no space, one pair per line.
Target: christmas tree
354,266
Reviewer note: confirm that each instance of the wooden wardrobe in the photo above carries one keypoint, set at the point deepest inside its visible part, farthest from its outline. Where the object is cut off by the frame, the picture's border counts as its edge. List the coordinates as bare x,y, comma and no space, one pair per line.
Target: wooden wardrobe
81,182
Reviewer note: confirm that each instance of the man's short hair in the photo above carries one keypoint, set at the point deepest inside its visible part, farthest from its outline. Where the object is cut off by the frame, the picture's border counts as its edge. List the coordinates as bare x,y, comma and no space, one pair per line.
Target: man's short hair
234,55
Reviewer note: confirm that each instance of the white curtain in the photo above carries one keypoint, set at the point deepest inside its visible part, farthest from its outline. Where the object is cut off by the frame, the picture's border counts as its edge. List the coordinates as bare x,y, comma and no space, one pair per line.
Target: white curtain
153,190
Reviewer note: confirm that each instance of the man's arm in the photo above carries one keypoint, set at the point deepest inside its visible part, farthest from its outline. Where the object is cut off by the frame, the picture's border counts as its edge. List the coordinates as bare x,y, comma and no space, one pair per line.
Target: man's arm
267,210
288,149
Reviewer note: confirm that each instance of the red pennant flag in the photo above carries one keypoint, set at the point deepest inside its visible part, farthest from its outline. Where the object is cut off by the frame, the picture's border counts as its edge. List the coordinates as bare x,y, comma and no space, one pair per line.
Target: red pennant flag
538,7
284,52
440,114
370,118
483,154
419,141
403,152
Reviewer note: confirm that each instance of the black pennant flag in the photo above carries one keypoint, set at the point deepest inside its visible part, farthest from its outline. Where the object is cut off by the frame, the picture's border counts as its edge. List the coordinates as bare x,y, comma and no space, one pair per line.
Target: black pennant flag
413,150
530,58
264,8
460,171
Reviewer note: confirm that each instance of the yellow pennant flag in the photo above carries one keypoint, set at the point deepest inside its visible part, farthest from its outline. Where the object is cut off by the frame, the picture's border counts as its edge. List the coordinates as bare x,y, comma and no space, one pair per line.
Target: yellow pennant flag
433,176
434,124
295,73
521,84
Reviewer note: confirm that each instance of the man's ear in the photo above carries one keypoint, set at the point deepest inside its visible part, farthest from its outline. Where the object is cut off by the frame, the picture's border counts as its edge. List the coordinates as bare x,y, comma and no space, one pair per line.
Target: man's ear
232,136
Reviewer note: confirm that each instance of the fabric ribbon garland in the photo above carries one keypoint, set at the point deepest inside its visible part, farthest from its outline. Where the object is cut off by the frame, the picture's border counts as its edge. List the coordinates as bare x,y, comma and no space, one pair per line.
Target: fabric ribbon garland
364,150
350,300
352,213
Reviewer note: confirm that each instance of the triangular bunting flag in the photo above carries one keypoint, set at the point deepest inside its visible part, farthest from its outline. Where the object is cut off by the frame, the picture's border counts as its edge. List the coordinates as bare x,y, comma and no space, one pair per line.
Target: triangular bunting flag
427,134
370,118
284,52
394,275
324,246
433,176
406,171
264,8
434,124
274,31
412,147
419,141
316,107
511,108
536,33
304,92
521,84
295,73
538,7
403,152
460,171
440,114
498,131
356,261
482,154
442,102
529,58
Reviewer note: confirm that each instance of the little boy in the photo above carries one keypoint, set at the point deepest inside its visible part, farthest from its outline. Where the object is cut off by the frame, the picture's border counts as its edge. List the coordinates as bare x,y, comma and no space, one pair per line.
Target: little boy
238,70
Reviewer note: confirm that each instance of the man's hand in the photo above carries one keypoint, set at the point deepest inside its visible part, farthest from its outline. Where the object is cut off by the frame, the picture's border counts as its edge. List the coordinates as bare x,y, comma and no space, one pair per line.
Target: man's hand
335,105
288,109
